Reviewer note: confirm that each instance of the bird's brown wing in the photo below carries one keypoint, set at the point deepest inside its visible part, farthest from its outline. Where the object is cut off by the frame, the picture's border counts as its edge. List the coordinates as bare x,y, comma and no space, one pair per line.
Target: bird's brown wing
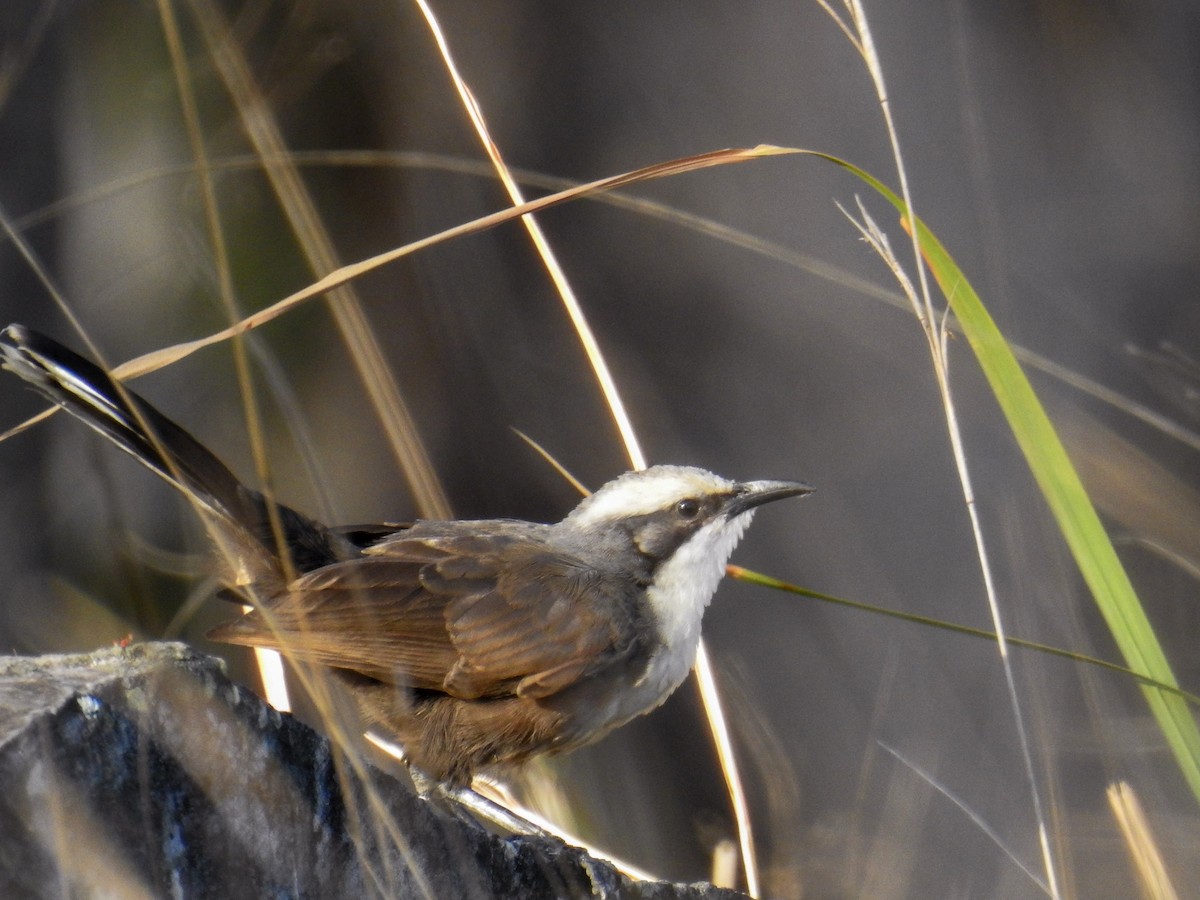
474,615
368,615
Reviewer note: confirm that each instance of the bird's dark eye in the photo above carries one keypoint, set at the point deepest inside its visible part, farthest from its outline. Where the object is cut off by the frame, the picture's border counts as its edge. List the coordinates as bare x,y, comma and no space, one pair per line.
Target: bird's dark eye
688,509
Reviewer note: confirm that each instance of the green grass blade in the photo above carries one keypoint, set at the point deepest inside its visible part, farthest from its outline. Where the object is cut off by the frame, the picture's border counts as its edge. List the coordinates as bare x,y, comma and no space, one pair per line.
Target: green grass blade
751,577
1064,492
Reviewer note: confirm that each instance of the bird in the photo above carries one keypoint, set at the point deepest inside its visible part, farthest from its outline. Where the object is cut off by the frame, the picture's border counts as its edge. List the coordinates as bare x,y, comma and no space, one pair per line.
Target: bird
476,645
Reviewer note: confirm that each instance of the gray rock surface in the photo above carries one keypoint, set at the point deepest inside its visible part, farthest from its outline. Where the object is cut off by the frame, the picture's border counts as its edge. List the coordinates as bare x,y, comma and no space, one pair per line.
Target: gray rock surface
144,772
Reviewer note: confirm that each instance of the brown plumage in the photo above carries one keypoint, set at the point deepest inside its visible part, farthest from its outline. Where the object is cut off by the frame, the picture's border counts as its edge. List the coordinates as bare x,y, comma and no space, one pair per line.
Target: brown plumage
443,635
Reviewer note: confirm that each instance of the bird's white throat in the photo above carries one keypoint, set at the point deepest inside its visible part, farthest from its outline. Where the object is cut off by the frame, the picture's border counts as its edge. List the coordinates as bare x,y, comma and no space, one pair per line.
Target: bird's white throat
682,589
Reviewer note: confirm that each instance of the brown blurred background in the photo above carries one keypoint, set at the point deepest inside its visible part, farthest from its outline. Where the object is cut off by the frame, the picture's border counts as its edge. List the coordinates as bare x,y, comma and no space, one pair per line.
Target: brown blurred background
1053,146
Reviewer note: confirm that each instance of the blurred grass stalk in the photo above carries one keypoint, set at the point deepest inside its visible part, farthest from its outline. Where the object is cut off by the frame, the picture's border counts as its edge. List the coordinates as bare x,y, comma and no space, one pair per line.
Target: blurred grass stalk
709,694
1143,850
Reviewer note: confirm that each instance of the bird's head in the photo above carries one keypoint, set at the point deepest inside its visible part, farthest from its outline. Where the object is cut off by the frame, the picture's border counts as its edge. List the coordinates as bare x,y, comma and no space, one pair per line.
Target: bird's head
677,513
674,526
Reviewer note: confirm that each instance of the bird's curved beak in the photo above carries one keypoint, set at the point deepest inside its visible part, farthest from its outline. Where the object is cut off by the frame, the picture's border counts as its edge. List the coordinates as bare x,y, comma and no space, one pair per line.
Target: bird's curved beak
750,494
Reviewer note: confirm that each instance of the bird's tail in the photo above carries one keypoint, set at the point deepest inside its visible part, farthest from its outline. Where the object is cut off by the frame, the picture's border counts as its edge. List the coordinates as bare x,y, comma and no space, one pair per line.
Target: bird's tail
239,514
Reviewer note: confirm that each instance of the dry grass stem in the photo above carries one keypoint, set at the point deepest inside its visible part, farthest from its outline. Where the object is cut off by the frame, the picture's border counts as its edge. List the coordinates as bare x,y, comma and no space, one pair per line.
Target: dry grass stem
709,693
936,336
971,814
1147,859
642,206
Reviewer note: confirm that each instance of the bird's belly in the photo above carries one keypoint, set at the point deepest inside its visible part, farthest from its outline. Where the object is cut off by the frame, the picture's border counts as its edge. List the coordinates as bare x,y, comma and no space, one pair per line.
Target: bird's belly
665,671
610,708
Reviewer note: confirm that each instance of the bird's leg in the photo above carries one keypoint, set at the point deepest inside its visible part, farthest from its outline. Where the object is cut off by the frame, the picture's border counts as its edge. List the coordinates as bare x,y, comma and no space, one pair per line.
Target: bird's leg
489,810
472,807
